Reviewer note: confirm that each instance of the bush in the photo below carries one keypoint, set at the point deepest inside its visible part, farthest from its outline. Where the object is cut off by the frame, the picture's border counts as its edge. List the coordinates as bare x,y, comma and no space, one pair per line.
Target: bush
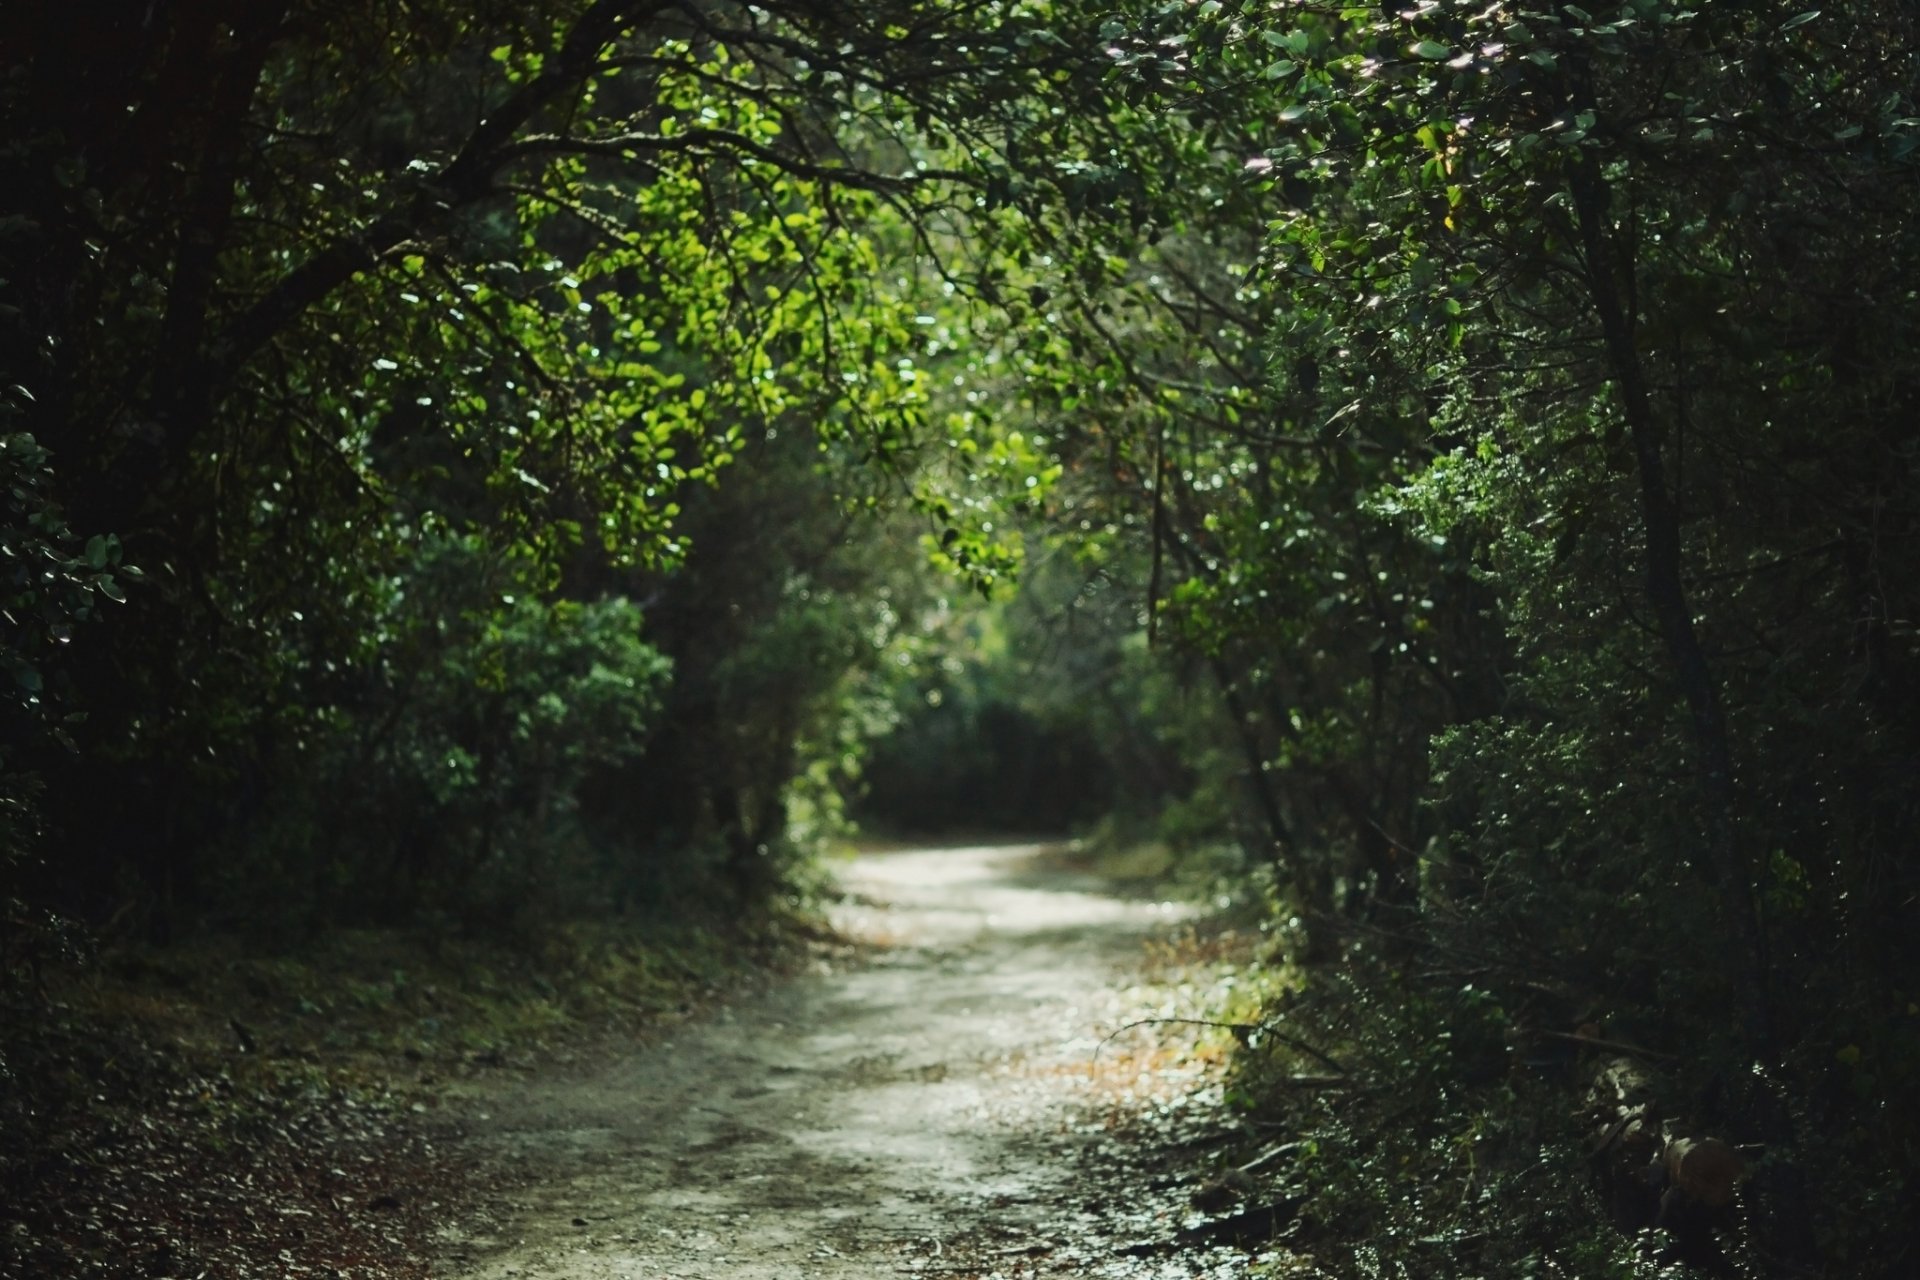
451,785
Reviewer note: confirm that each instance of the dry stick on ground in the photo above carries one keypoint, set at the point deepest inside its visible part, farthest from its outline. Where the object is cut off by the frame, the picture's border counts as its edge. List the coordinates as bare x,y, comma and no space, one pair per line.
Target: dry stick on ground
1615,1046
1268,1156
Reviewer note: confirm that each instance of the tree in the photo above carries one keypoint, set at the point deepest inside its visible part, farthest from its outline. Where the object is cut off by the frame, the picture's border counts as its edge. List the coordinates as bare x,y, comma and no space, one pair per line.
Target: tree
518,278
1569,299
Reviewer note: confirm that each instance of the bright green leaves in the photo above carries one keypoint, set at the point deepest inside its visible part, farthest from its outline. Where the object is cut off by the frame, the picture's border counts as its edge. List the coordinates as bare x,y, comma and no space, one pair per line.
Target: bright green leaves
669,288
519,66
975,510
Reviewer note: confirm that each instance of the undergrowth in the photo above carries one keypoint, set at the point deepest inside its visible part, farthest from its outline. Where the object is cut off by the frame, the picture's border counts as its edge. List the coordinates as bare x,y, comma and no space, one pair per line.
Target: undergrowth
1432,1126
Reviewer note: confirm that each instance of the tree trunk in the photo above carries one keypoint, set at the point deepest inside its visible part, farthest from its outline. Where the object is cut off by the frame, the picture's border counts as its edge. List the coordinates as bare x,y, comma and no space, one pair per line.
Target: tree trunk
1723,866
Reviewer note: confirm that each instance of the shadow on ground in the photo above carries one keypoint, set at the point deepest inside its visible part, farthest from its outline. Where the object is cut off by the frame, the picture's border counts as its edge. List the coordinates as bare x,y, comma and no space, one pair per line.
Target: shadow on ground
945,1106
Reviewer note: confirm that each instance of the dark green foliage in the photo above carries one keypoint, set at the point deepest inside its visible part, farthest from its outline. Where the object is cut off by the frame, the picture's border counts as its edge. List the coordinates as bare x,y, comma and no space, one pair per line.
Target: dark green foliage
1570,461
782,625
449,780
990,767
50,584
975,754
299,298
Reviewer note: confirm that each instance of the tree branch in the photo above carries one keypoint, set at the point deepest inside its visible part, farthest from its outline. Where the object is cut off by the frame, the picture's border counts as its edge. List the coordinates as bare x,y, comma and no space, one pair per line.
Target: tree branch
462,180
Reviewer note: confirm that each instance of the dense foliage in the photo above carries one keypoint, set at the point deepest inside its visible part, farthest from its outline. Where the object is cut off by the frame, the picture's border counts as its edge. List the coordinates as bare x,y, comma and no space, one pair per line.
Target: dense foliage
1553,580
463,463
429,333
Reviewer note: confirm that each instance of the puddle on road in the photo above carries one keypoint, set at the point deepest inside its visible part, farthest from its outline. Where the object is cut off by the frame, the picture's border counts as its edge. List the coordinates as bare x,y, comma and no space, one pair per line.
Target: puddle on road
937,1112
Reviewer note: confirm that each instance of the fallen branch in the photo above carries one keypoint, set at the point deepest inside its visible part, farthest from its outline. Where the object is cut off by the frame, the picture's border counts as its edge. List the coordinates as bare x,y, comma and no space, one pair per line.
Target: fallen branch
1269,1155
1612,1046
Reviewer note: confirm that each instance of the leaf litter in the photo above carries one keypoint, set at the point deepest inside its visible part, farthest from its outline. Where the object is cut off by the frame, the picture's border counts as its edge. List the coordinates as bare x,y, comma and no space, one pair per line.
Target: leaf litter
955,1103
948,1093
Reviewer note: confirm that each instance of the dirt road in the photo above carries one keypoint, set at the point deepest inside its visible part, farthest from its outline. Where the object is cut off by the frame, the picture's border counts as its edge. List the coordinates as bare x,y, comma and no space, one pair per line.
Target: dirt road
929,1111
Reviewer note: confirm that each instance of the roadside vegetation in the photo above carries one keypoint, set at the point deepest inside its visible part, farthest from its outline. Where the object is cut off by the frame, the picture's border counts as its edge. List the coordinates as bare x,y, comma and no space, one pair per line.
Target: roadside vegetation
504,478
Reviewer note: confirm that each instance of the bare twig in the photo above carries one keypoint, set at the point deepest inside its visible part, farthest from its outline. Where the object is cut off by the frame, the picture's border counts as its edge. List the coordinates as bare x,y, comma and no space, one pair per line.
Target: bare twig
1615,1046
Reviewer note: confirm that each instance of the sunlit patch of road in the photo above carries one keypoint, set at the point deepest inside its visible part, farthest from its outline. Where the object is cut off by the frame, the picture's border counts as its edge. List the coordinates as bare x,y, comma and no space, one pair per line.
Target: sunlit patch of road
930,1110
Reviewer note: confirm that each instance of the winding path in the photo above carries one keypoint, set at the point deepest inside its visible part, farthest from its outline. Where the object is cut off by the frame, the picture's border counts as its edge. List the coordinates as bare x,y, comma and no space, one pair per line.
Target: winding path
922,1113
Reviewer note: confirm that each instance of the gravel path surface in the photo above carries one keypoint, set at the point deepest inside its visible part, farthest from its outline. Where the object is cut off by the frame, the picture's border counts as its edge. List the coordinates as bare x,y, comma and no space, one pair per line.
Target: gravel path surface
931,1110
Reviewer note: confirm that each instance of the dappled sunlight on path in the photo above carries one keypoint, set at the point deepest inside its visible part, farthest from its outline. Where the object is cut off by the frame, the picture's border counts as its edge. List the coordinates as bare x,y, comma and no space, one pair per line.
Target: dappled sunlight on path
930,1110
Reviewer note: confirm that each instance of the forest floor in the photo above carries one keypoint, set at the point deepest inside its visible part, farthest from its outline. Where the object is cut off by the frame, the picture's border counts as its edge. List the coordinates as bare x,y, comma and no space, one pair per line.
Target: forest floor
942,1081
951,1100
240,1106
